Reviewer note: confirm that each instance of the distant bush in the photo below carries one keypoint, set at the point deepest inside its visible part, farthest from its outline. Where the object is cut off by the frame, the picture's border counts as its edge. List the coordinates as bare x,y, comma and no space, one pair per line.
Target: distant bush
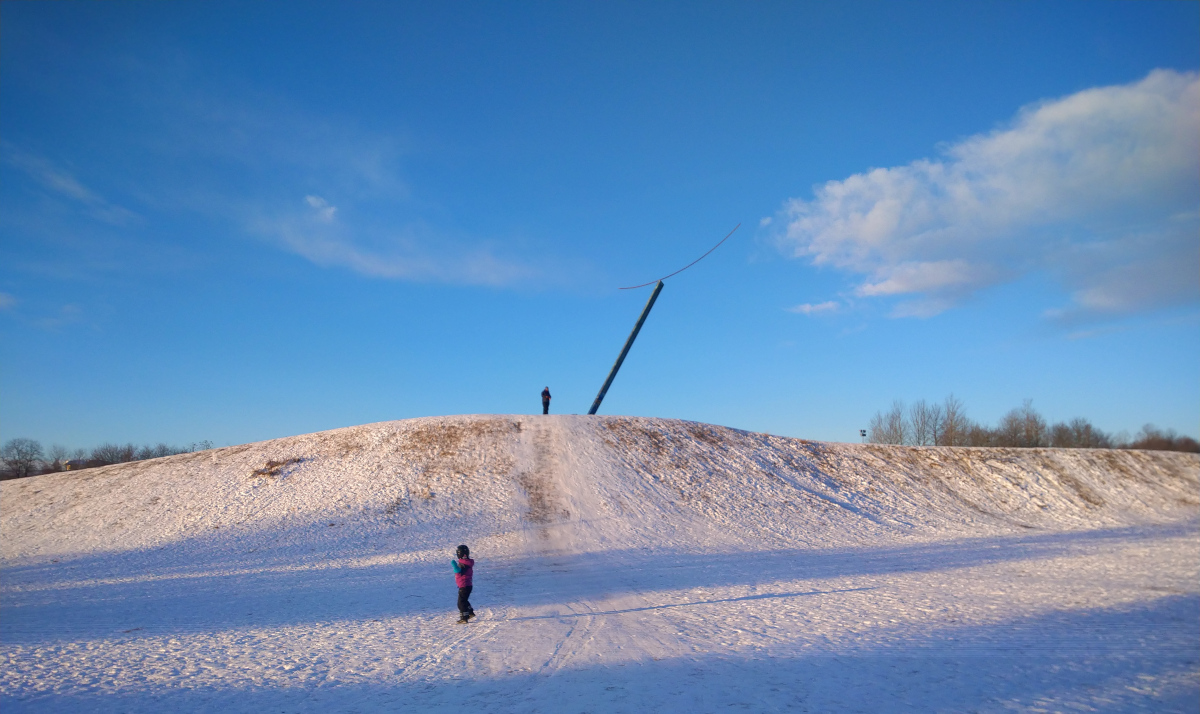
946,424
25,457
1155,439
1079,434
107,454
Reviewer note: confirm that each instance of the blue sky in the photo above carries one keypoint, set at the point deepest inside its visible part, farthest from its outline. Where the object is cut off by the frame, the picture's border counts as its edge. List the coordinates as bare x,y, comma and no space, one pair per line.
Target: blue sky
238,221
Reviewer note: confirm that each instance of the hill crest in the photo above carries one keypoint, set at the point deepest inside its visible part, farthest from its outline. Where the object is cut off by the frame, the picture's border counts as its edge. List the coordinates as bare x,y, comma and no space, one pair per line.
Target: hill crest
582,483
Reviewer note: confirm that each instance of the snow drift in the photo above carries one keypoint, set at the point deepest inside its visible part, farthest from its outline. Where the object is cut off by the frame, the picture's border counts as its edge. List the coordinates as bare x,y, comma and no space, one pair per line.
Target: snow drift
623,564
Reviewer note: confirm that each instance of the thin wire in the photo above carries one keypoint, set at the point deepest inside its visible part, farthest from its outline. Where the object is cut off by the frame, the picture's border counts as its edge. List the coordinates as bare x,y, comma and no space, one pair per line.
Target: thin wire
677,272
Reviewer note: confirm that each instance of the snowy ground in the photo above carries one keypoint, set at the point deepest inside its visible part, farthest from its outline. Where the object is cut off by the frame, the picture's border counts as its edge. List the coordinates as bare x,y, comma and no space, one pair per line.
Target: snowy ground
623,565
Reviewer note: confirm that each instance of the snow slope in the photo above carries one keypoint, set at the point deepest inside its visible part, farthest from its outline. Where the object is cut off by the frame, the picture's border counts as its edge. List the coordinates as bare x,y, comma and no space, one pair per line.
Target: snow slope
624,564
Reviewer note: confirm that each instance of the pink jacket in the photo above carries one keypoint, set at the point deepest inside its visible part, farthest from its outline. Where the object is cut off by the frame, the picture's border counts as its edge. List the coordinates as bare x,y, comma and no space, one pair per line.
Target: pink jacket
463,569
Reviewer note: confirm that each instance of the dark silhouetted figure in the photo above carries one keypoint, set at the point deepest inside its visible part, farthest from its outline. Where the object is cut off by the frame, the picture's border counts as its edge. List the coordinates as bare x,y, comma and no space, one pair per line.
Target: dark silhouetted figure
546,400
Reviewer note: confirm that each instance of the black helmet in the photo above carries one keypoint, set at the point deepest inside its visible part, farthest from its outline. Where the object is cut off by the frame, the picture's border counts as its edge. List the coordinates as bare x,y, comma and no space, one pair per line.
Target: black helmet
463,551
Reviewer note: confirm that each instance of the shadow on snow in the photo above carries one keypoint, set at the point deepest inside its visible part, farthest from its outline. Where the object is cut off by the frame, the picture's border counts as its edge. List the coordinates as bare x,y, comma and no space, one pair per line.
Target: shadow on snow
215,590
1140,658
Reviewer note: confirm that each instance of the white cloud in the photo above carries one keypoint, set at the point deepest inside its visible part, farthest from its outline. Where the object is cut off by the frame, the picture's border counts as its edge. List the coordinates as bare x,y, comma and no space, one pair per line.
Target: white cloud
317,237
810,309
325,212
1100,189
58,180
918,277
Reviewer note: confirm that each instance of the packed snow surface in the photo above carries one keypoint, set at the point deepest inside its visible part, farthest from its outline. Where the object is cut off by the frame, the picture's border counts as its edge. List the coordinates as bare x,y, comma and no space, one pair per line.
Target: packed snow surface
622,565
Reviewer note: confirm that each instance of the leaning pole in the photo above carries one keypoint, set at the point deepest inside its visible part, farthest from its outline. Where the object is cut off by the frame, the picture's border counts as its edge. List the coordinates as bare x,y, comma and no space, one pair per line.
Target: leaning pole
625,350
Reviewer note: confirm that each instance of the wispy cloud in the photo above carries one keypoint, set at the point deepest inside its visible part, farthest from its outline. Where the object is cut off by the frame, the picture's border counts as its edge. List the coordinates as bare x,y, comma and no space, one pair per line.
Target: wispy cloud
243,166
811,309
64,184
1099,189
356,208
7,302
67,315
325,212
317,234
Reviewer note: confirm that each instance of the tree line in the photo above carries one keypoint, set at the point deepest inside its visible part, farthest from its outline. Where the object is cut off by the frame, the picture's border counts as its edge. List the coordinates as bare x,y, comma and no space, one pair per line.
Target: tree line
929,424
25,457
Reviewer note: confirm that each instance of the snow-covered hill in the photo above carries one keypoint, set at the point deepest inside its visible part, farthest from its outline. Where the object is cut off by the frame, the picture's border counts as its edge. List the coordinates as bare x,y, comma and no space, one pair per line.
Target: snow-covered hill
624,563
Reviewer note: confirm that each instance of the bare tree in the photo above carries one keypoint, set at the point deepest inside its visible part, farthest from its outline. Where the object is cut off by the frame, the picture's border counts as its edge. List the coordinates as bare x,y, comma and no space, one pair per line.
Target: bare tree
1033,427
877,430
918,422
106,454
1151,437
890,427
1008,431
947,425
980,435
956,427
1079,434
55,457
936,417
925,421
1062,437
1088,436
22,457
159,450
1022,427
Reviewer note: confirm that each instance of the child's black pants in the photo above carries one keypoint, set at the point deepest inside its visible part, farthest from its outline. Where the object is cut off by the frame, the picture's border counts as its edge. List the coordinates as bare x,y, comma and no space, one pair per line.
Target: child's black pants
464,604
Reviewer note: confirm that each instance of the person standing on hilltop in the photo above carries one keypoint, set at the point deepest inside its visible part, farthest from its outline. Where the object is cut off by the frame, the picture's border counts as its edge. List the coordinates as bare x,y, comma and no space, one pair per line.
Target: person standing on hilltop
546,400
464,569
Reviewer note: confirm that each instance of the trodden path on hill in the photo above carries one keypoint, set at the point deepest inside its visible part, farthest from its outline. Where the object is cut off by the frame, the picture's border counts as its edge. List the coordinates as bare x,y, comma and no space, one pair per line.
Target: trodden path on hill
600,587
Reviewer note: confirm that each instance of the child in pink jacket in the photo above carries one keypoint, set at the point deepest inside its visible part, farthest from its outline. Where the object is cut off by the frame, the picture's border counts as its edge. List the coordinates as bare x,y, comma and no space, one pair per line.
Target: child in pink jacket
463,569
